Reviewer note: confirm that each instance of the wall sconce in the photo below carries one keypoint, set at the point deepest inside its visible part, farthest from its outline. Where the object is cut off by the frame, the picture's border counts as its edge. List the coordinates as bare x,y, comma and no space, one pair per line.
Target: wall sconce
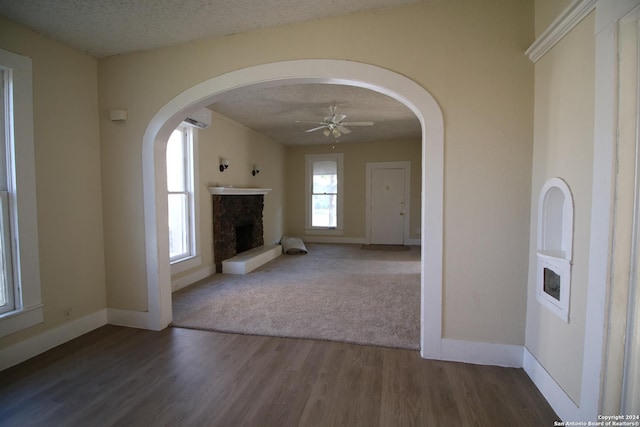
224,164
255,171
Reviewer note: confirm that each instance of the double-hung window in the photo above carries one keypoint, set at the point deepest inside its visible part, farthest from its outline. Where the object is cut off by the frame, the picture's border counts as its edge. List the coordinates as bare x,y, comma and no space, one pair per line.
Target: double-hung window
7,288
324,199
20,292
181,198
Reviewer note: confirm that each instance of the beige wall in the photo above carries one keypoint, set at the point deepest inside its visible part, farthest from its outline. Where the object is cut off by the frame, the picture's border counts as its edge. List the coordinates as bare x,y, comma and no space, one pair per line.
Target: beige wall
356,156
546,12
563,147
69,194
243,148
468,54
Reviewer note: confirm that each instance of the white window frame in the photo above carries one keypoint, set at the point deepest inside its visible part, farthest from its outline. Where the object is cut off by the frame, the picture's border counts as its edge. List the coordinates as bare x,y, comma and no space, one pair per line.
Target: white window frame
193,258
310,159
28,310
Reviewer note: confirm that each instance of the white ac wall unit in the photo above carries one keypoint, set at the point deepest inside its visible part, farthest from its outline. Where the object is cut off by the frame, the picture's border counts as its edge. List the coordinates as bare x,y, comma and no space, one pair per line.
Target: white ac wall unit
200,119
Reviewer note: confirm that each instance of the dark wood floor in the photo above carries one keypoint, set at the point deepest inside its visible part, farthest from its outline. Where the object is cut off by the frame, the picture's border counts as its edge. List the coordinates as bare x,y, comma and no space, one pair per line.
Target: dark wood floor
180,377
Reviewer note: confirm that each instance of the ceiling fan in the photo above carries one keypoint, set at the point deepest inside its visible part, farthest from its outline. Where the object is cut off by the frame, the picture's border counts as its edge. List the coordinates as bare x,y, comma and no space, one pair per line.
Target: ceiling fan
334,124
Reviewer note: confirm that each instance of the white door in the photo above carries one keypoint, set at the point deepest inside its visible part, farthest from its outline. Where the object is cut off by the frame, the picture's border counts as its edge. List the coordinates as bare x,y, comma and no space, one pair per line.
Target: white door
387,206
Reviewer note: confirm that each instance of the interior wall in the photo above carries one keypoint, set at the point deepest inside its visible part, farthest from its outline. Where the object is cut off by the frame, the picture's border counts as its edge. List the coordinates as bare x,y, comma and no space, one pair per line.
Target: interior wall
243,148
563,147
546,12
356,156
467,54
69,194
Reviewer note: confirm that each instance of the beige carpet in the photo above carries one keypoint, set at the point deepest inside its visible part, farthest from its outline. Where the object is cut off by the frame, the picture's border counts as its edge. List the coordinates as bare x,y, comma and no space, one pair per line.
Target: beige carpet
335,292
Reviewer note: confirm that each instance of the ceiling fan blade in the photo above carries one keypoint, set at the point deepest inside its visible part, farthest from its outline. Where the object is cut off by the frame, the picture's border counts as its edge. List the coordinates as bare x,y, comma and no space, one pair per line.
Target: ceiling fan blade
343,130
357,124
314,129
338,118
313,123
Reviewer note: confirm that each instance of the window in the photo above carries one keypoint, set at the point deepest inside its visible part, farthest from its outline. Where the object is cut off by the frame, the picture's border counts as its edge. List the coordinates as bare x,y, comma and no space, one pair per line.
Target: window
324,193
180,186
7,297
20,292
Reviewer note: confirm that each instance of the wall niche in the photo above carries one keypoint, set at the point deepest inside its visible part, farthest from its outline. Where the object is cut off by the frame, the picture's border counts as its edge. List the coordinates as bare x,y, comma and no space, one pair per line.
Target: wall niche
555,247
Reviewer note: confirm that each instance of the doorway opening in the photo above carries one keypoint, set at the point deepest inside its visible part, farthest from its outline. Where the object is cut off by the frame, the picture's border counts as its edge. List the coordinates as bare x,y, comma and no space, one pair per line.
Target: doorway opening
342,72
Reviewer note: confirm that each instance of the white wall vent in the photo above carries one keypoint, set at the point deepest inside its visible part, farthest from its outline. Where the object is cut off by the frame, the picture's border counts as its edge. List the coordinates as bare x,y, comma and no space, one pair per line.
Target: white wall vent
200,119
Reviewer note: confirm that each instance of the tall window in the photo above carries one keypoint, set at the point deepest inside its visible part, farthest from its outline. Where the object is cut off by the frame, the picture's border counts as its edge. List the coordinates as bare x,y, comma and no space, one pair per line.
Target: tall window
20,291
324,193
180,186
7,294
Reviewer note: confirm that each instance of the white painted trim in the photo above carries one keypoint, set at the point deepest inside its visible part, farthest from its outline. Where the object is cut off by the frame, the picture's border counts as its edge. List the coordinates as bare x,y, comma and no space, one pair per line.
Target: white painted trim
481,353
326,71
557,398
631,367
185,264
432,239
369,167
128,318
31,347
238,191
22,185
552,255
334,239
600,244
192,278
571,16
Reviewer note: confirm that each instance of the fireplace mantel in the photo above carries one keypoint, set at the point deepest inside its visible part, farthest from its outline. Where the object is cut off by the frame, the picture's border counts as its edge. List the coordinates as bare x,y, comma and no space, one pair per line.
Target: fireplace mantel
238,191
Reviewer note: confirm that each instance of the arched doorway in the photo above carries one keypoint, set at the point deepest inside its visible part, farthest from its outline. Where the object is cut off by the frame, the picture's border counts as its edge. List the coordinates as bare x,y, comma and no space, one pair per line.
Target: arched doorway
325,71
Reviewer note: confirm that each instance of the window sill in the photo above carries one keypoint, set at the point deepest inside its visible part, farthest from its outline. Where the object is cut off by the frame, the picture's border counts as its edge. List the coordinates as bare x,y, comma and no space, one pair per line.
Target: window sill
185,264
18,320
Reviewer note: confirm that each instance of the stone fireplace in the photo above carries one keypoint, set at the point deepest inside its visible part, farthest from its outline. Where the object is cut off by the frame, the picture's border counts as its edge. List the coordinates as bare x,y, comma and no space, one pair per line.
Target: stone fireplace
237,221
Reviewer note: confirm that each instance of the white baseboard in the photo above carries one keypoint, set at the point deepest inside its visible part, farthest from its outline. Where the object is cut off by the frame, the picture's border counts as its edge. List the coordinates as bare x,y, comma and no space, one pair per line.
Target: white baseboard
559,400
192,278
481,353
31,347
128,318
349,240
333,239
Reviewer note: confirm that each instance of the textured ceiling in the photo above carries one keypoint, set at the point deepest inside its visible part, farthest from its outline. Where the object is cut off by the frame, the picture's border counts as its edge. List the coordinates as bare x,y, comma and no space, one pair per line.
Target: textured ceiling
109,27
274,112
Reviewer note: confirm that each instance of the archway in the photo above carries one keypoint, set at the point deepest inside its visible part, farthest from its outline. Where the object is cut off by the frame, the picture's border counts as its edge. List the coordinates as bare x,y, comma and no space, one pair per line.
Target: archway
325,71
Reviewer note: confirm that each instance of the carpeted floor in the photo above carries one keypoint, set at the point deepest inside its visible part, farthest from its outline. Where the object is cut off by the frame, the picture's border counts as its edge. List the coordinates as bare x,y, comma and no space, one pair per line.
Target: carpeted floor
335,292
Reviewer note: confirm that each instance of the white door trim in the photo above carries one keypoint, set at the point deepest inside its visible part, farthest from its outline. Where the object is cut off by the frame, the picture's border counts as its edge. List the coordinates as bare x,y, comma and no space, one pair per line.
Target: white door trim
406,166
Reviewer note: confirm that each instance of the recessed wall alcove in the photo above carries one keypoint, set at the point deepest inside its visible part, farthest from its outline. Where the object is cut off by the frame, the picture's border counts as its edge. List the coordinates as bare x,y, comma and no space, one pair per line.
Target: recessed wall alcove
555,247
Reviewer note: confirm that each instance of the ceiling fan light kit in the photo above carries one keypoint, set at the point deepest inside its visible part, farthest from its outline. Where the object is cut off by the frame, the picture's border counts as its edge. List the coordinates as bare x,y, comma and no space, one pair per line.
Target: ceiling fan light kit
334,124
